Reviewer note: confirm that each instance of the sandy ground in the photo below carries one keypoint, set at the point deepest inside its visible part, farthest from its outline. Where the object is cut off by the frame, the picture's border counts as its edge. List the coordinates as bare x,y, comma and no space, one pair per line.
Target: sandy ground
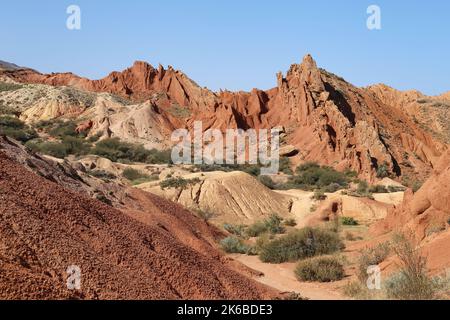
282,277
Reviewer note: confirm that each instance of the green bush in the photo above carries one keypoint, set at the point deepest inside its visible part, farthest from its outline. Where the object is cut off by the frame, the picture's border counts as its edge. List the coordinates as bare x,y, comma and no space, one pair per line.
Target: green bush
319,196
118,151
312,176
133,174
68,145
273,225
5,86
16,129
349,221
290,222
321,269
301,244
383,171
178,183
233,244
378,189
237,230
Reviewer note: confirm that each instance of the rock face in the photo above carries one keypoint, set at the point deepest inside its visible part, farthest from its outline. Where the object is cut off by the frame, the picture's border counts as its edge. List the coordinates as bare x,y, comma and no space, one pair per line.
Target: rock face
325,118
425,212
152,250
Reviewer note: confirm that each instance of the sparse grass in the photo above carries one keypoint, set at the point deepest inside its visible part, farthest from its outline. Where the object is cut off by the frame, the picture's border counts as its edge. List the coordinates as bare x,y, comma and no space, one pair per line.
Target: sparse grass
267,181
383,171
205,215
137,177
301,244
101,174
179,111
318,196
321,269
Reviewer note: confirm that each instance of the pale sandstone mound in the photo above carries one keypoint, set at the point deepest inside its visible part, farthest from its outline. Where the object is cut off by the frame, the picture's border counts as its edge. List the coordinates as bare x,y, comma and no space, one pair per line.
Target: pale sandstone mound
166,253
233,197
325,118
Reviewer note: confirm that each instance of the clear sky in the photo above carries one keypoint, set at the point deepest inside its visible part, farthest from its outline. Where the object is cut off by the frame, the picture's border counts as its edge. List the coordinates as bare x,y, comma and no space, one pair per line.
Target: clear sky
233,44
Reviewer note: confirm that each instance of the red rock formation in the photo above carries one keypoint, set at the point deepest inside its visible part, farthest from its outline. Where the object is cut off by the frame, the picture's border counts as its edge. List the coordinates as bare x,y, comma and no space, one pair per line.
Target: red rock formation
326,118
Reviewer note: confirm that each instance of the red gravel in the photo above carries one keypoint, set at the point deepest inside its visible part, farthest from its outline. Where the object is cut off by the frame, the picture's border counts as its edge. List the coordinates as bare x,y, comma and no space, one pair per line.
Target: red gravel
163,253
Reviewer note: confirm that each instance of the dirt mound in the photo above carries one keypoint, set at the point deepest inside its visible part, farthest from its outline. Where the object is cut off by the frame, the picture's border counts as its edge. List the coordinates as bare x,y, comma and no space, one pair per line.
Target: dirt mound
325,118
233,197
46,228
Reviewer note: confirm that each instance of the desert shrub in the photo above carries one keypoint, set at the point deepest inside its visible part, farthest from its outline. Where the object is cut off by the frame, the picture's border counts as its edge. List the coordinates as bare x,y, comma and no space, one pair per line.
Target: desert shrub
133,174
357,290
412,282
301,244
416,186
349,236
60,129
321,269
205,215
363,187
383,171
256,229
349,221
54,149
378,189
102,174
311,176
68,145
273,225
16,129
233,244
331,188
285,166
290,222
237,230
371,257
5,86
318,195
267,181
119,151
178,183
393,189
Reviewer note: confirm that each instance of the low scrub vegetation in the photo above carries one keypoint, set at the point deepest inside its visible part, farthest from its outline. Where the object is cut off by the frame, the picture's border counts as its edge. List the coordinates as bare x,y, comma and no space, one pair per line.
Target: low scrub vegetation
233,244
119,151
321,269
272,225
412,281
301,244
178,183
349,221
16,129
7,86
372,257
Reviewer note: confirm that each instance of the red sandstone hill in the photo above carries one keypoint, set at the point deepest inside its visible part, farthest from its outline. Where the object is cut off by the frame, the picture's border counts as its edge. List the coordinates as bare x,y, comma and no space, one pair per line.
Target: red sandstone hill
426,216
154,250
323,116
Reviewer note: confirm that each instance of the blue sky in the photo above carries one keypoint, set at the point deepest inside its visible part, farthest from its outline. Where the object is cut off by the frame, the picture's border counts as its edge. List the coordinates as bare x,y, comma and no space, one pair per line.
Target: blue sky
235,45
